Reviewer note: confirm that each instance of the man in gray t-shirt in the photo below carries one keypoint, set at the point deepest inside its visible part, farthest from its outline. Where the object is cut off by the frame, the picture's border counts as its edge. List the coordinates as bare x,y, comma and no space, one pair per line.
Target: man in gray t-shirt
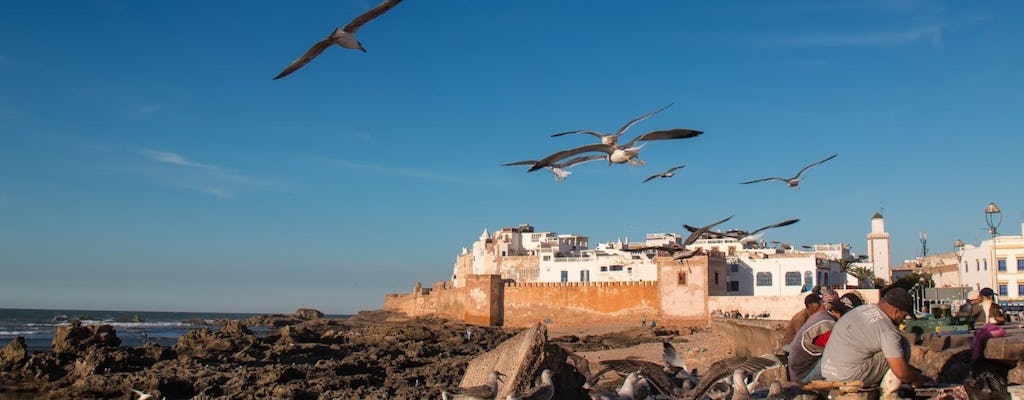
865,343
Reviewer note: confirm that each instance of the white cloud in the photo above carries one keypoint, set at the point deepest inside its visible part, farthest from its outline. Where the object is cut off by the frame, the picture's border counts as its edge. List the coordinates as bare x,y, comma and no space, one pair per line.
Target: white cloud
204,177
931,34
175,158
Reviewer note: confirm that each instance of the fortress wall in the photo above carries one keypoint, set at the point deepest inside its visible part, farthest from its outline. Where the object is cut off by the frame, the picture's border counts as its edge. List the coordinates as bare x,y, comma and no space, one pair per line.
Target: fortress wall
579,303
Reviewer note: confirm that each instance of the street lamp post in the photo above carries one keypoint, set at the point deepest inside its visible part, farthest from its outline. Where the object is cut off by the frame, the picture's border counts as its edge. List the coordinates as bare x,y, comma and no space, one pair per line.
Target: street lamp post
993,217
958,249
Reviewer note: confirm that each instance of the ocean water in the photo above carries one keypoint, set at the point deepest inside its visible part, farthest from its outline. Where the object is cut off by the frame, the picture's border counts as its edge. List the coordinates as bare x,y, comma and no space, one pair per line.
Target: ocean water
133,327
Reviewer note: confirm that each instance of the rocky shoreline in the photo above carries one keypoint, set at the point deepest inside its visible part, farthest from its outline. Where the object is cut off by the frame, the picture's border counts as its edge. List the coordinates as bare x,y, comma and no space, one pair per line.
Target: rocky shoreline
373,355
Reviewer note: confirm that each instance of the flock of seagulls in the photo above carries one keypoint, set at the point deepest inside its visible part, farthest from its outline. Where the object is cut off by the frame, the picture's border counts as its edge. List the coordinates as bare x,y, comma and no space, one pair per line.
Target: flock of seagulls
672,381
733,378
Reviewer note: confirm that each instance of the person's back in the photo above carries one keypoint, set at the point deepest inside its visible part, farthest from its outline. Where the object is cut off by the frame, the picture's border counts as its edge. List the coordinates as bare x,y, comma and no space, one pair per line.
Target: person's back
857,337
812,303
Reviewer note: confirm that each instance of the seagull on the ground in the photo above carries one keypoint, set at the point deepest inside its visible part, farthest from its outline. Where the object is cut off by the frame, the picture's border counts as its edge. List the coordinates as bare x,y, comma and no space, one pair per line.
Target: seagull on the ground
142,395
612,138
739,388
676,365
344,37
560,169
544,391
793,182
487,391
679,251
656,376
667,174
723,368
631,387
619,154
745,237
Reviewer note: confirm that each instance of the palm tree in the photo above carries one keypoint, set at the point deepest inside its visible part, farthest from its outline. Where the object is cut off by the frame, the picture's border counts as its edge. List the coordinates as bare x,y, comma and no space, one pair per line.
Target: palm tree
865,276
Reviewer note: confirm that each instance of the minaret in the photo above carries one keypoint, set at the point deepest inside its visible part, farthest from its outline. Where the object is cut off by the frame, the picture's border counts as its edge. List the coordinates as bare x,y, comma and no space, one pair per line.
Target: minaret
878,248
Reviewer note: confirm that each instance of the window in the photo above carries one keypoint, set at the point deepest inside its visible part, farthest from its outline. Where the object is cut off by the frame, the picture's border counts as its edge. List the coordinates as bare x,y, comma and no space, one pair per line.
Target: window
1001,264
977,265
734,286
629,270
792,278
547,258
604,268
808,280
985,263
585,275
1020,266
565,276
764,279
734,268
1020,290
965,266
681,278
716,278
615,268
1002,289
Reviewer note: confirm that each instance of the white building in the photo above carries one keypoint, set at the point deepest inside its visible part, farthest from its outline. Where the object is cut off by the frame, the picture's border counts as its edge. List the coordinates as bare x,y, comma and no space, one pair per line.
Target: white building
878,248
997,263
606,263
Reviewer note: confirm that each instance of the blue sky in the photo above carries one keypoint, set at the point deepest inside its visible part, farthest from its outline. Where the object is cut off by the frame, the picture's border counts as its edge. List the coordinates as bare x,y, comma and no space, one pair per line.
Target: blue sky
149,162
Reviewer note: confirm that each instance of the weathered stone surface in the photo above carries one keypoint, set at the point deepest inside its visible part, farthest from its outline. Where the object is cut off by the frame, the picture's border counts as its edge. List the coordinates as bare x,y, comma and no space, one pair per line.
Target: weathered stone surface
1005,348
1016,375
13,354
518,358
308,313
70,339
748,338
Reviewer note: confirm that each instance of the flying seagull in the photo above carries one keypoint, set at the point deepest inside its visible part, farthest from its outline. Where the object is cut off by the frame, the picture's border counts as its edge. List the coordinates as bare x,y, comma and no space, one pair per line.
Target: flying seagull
667,174
560,169
612,138
618,154
344,37
679,251
793,182
745,237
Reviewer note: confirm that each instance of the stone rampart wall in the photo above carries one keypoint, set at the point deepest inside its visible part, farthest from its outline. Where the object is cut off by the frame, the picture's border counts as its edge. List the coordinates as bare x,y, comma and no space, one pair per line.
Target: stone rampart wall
580,303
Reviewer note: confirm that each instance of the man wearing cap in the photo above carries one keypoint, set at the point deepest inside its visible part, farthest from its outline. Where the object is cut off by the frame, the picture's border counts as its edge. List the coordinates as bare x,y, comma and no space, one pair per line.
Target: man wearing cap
805,350
985,310
968,307
865,344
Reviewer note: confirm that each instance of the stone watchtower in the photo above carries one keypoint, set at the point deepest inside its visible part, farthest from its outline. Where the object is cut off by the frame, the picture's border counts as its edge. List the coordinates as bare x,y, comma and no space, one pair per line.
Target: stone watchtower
878,248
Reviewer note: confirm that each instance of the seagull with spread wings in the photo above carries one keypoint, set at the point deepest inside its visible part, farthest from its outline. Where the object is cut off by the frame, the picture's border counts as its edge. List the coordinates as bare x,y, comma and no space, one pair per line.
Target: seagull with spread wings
619,154
344,37
745,237
679,251
612,138
793,182
667,174
561,170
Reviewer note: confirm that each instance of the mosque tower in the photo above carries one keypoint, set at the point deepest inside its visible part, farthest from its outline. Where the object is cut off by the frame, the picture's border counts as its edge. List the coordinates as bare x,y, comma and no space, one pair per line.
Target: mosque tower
878,248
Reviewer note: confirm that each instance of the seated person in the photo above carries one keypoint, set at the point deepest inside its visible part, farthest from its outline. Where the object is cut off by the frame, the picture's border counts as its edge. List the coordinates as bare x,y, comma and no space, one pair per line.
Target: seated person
805,350
865,344
812,304
967,308
986,310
